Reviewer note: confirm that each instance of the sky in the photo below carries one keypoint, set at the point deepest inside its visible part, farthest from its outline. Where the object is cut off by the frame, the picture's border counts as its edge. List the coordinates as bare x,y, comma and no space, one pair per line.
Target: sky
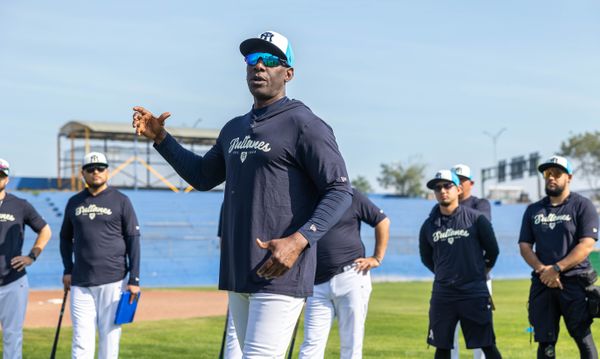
409,81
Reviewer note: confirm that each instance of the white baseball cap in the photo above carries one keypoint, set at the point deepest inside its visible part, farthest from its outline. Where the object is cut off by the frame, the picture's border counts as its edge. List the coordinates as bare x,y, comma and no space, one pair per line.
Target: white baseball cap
4,167
271,42
463,171
443,176
556,161
94,158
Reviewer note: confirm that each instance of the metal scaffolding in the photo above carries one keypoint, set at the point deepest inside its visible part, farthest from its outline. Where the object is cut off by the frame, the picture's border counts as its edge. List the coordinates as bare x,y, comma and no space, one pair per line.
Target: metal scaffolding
125,151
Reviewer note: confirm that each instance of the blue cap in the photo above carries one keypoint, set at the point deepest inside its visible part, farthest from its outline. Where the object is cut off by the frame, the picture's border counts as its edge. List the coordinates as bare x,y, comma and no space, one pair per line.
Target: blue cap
443,176
271,42
557,161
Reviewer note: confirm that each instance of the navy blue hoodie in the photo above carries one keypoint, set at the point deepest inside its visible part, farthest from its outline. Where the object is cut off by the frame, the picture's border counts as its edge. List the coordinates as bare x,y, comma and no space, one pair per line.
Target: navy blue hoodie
284,173
458,249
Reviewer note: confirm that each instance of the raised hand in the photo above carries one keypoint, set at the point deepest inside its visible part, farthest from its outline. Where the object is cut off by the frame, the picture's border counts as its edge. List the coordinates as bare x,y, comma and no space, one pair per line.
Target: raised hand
146,124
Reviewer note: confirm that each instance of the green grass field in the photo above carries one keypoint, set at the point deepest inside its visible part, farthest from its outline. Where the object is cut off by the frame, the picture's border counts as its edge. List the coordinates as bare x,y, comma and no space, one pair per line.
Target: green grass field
396,328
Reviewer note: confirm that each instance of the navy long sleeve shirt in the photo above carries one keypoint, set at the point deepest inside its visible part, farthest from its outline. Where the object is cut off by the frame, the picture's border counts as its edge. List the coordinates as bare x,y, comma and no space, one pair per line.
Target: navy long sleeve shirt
284,173
102,234
458,249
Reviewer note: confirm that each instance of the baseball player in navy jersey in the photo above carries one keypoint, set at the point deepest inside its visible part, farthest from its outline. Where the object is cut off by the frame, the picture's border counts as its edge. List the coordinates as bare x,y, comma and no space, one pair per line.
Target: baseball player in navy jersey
343,281
15,213
100,232
563,227
458,245
286,185
479,204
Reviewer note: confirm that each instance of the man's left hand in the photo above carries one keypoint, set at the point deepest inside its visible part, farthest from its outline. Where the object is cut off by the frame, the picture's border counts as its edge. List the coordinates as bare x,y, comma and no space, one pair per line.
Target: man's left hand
135,291
284,253
366,264
20,262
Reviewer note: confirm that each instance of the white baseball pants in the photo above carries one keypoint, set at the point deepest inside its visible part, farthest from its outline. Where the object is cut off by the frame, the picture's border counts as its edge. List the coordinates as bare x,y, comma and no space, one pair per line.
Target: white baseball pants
232,345
13,304
477,353
345,296
93,307
264,322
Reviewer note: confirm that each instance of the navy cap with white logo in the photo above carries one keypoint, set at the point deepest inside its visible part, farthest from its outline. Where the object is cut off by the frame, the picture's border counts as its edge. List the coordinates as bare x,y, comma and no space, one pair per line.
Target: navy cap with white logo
557,161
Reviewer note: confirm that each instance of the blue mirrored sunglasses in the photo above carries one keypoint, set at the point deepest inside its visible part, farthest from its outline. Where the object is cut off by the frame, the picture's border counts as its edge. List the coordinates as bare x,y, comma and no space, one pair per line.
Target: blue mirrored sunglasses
269,60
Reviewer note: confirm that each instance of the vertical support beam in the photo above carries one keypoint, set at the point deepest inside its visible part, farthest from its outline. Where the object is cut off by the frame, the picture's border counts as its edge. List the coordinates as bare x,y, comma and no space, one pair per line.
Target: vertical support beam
482,183
58,163
87,140
148,162
72,136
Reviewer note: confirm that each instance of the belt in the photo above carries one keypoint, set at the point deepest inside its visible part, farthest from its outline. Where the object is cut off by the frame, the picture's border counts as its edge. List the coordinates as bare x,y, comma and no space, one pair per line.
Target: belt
348,267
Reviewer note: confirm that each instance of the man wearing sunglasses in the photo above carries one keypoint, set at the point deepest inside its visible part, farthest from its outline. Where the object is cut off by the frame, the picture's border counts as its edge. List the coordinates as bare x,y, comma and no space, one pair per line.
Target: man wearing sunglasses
286,185
457,244
563,227
101,233
15,213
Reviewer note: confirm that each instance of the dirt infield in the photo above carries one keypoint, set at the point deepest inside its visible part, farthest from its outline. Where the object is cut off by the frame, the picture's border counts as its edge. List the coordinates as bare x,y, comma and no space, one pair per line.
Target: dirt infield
44,306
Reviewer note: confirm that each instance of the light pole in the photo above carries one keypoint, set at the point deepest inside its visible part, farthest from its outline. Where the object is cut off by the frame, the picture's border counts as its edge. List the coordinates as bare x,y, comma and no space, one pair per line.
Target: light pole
494,138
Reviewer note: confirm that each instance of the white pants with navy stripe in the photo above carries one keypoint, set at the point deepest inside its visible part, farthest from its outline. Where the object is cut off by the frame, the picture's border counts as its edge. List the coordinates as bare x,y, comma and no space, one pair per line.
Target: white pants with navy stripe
345,296
264,322
13,304
93,307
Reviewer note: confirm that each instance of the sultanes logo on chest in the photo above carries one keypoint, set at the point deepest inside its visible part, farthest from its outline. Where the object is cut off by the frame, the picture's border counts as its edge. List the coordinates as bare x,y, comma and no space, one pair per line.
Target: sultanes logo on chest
92,211
6,217
551,219
248,145
449,235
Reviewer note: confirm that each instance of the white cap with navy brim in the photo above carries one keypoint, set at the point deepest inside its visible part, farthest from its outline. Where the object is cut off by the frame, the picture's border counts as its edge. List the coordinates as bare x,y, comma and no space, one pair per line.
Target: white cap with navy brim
443,176
557,161
271,42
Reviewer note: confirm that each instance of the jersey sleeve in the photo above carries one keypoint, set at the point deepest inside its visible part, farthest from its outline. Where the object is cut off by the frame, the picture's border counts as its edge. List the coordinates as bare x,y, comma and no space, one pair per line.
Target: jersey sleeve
33,219
131,233
425,249
587,220
202,172
526,235
317,152
483,206
66,241
368,212
487,239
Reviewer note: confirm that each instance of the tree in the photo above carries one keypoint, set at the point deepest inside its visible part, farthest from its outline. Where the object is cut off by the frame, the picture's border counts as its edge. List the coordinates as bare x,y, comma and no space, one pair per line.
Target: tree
362,184
584,152
405,179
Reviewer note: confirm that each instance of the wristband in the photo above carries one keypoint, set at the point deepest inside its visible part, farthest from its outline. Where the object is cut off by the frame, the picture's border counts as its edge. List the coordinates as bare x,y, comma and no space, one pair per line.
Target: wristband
32,256
377,259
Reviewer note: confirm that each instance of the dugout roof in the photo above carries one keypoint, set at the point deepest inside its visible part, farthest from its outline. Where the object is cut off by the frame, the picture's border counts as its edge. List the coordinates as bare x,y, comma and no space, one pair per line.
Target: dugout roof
123,131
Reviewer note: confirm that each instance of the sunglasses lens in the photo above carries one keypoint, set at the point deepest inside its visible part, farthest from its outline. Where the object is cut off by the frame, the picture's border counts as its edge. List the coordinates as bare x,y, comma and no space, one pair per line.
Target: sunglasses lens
93,169
445,186
268,60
